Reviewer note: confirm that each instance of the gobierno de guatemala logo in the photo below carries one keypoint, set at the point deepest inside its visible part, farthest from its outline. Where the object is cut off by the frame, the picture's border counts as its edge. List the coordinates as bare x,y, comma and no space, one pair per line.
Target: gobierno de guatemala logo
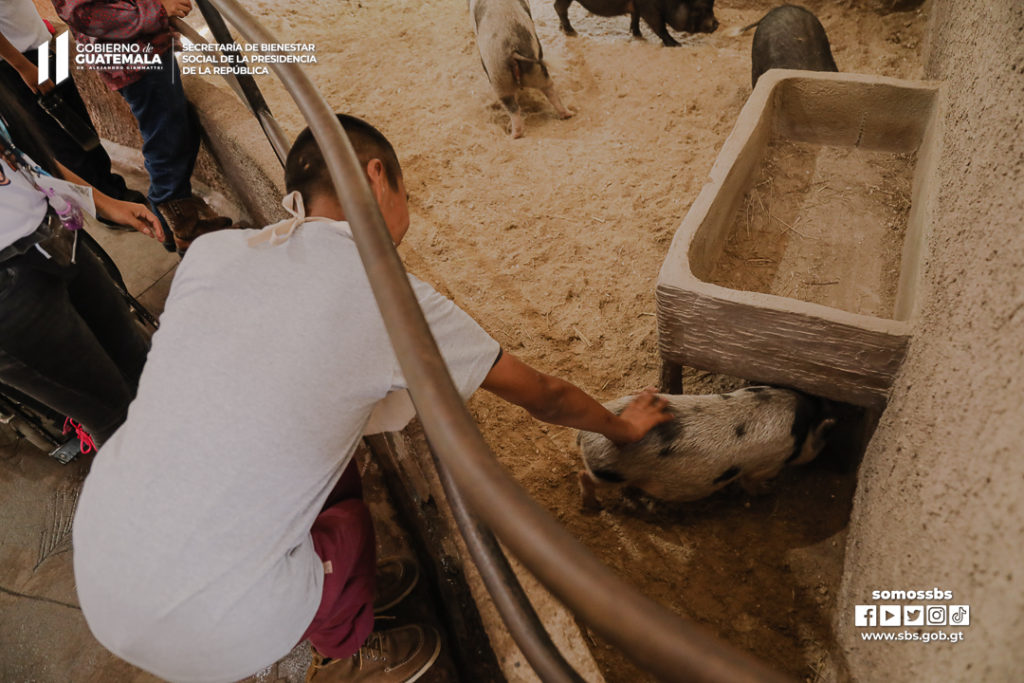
97,56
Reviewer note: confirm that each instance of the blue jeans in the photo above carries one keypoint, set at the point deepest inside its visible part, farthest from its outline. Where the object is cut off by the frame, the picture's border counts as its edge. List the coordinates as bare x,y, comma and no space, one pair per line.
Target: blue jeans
69,340
169,127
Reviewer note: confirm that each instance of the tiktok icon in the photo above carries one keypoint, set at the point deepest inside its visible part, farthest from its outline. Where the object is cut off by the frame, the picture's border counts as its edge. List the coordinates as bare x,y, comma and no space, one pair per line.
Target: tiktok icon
959,615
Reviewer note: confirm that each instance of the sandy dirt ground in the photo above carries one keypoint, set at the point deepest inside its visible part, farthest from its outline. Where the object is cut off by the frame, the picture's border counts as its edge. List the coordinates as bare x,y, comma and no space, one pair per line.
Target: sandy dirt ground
553,243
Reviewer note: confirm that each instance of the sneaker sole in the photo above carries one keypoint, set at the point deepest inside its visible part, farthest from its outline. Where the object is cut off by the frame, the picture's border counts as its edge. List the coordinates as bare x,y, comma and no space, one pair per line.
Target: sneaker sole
426,667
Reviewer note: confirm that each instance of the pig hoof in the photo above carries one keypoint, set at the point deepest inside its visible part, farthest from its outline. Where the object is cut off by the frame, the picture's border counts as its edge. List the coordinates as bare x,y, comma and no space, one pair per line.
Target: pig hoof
670,42
588,494
566,114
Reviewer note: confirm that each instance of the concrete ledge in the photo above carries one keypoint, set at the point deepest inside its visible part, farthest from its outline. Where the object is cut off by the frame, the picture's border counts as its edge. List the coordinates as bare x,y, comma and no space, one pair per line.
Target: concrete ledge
236,154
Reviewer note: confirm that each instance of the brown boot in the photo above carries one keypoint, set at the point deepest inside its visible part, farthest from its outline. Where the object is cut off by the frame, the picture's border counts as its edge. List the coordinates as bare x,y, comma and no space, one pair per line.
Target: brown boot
398,655
396,578
189,218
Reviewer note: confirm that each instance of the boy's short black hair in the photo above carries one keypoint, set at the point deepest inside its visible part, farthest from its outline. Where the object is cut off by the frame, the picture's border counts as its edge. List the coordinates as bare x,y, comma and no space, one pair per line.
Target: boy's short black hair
306,171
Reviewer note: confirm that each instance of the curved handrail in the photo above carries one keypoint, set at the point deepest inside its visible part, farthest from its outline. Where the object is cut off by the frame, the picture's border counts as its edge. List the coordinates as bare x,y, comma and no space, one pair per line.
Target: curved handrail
669,646
499,578
244,86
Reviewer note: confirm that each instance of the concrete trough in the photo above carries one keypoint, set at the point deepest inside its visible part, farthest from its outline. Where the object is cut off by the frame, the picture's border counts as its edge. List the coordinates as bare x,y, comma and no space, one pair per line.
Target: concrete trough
798,263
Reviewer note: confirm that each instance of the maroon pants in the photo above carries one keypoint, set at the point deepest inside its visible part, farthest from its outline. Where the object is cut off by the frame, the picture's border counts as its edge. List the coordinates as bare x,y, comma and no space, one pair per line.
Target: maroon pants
343,538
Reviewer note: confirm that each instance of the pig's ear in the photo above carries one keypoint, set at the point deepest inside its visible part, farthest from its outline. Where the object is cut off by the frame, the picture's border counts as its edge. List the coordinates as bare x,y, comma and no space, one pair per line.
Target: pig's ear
814,442
825,426
822,430
817,438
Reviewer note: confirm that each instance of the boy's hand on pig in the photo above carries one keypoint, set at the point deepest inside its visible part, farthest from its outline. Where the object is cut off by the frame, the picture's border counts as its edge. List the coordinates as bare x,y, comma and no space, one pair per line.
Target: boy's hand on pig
646,411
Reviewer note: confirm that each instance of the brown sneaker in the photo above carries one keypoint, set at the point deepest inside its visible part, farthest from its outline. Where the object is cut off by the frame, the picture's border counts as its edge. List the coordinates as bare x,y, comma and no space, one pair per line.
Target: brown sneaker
396,577
398,655
189,218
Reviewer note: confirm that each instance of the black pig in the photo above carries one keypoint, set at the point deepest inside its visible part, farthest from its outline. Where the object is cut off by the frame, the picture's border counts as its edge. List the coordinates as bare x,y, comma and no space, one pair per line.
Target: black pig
691,16
790,37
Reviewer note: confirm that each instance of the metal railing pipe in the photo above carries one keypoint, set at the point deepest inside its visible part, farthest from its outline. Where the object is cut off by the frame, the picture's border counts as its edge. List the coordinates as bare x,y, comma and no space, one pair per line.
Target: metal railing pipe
244,85
500,580
672,648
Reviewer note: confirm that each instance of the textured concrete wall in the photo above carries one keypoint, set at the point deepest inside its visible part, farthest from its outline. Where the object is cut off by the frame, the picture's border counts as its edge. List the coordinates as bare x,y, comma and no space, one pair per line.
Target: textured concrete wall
939,502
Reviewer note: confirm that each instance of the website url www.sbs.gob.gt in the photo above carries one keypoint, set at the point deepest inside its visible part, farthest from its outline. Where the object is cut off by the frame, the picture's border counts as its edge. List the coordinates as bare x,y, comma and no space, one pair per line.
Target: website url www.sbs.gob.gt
915,636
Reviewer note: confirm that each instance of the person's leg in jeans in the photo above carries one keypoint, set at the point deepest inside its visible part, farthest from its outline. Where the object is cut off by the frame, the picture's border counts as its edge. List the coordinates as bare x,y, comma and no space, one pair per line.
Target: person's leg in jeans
104,309
170,143
170,130
50,352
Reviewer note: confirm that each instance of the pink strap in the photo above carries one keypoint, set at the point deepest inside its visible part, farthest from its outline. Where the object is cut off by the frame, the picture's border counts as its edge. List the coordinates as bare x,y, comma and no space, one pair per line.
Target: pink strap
87,445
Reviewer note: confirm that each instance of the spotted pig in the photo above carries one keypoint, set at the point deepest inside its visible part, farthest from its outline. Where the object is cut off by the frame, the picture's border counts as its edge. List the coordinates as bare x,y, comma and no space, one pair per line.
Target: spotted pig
747,436
512,55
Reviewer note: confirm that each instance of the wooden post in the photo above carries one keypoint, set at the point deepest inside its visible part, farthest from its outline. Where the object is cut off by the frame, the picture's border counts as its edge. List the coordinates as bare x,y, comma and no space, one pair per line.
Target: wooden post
671,377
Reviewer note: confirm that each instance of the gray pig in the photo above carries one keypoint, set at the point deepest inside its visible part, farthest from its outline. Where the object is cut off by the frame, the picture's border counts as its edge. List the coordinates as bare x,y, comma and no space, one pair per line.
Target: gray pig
789,37
511,54
713,440
691,16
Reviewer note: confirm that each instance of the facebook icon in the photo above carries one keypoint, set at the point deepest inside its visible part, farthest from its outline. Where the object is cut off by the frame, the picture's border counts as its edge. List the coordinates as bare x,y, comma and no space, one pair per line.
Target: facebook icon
865,615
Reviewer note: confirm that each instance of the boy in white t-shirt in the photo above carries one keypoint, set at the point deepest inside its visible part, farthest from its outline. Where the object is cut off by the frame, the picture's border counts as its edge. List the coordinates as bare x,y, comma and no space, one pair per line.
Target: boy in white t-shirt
216,529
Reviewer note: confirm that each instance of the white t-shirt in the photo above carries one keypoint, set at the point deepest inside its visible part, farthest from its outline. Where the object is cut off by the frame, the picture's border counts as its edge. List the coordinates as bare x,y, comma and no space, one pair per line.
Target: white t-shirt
23,203
21,25
193,557
22,206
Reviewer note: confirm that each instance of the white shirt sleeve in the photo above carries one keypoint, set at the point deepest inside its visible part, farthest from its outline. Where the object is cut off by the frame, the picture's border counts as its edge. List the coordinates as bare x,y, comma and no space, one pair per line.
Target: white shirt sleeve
468,351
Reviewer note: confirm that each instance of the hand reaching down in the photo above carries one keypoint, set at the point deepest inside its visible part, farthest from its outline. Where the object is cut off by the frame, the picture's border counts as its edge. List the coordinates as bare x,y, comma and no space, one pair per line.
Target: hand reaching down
645,412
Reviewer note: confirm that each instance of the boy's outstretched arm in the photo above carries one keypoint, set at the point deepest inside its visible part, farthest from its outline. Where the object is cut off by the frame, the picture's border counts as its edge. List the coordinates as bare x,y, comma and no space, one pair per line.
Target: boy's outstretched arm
554,400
